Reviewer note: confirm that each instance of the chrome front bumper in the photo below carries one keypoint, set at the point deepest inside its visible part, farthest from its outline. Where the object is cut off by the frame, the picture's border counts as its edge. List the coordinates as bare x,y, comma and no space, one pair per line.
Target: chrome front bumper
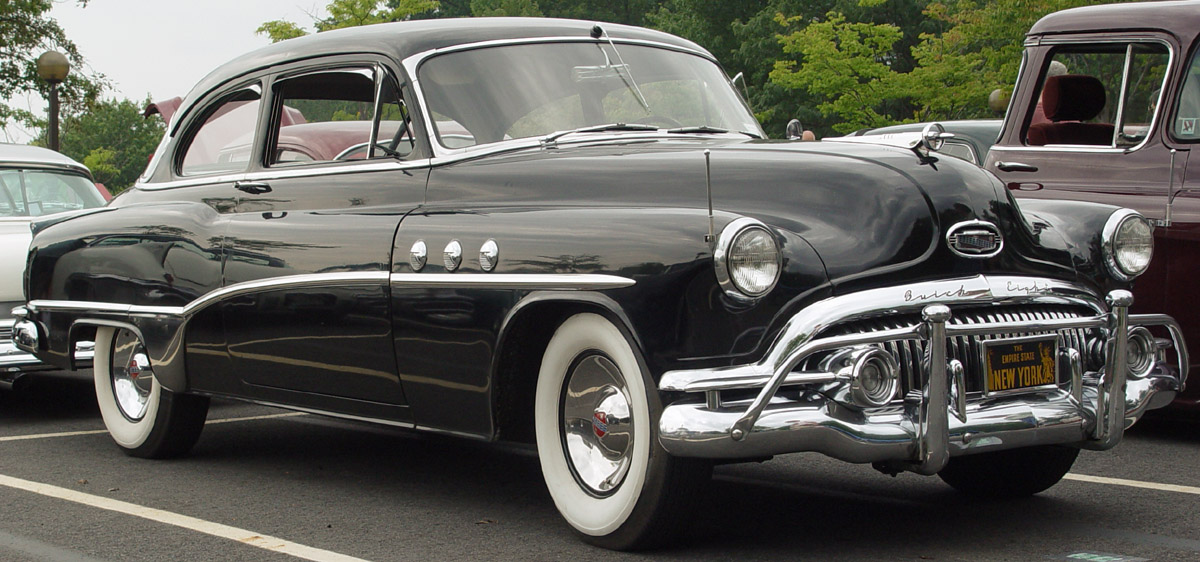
935,421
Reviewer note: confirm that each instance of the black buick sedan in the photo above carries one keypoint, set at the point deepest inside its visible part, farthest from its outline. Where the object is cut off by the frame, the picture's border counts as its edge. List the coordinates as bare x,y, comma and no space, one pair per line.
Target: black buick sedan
574,235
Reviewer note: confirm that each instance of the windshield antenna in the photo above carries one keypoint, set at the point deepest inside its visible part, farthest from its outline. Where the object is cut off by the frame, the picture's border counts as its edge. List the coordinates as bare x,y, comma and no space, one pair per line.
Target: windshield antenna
598,32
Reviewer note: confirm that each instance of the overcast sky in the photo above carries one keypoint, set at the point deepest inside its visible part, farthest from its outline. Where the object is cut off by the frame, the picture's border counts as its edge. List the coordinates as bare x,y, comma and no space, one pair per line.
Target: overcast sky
163,47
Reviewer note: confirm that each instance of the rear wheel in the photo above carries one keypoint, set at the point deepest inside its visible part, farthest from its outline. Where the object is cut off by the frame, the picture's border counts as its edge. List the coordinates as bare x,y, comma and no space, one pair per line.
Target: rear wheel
595,414
1009,474
143,418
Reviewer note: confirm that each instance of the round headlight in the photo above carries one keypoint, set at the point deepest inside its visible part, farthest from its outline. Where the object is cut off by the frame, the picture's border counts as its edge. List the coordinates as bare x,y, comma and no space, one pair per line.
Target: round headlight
747,259
1128,244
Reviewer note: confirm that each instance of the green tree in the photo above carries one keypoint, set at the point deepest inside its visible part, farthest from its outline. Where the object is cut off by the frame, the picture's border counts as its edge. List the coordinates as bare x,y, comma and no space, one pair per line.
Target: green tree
506,8
26,31
350,13
864,72
112,139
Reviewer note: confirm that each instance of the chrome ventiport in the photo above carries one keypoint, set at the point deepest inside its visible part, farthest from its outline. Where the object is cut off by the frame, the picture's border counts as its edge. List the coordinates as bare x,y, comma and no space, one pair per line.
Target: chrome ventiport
452,255
418,255
489,255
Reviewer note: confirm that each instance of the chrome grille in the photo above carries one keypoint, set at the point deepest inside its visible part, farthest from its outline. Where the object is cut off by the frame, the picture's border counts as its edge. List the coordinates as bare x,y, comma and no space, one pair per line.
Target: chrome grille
5,333
967,349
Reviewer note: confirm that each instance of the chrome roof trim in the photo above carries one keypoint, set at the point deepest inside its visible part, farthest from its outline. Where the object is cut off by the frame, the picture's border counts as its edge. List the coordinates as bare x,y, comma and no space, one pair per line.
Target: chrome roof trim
309,171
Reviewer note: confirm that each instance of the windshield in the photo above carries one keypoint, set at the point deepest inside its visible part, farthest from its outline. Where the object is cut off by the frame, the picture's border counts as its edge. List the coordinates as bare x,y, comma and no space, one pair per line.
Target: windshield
499,93
33,193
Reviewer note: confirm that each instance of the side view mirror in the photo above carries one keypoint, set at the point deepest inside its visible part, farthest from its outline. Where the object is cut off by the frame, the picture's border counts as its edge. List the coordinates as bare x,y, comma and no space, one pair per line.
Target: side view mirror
795,131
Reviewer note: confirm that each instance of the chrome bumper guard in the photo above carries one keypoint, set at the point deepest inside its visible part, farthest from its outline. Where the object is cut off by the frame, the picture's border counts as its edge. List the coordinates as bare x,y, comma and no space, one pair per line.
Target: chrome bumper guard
16,352
936,421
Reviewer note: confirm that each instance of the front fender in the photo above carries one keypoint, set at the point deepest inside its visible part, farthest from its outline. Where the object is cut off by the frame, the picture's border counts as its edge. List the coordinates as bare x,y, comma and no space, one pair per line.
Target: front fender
1075,227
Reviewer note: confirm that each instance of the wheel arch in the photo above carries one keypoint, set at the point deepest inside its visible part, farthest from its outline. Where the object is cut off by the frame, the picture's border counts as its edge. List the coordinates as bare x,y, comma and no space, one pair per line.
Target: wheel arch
524,334
166,352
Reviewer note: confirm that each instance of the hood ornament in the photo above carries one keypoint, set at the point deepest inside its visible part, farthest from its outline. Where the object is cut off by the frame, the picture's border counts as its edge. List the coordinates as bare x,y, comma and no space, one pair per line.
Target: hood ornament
975,239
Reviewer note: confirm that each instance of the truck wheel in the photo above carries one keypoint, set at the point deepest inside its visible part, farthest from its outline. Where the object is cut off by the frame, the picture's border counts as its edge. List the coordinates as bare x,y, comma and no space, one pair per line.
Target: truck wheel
1009,474
145,419
595,416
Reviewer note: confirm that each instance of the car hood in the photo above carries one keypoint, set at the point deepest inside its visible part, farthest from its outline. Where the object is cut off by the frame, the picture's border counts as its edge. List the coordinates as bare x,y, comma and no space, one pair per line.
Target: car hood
871,212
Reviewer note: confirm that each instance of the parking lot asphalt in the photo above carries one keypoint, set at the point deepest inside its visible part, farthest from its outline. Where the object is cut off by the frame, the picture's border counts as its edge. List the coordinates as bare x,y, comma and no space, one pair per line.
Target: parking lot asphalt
268,484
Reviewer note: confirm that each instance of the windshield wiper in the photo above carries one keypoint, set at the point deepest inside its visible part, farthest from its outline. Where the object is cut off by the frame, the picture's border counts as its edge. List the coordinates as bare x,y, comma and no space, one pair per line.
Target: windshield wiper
705,129
549,139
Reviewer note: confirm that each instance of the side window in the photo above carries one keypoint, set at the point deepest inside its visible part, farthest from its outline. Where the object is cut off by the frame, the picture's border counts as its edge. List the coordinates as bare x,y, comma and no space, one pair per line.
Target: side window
1186,124
1099,95
331,116
223,142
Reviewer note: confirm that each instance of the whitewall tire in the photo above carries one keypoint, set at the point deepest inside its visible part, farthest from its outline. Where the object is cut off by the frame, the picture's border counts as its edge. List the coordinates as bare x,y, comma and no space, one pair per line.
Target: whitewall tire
595,415
143,418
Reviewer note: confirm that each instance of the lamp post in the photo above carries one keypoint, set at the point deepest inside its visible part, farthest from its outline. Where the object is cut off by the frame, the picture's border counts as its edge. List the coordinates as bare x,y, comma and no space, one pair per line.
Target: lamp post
53,67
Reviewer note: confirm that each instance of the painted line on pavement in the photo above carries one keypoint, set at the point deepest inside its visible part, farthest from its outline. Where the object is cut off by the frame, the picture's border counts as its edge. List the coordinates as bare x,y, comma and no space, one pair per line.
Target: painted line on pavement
1132,483
100,431
265,542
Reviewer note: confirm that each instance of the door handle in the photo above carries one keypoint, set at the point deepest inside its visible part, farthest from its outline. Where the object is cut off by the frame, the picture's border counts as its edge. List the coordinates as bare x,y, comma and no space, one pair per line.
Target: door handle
1025,186
1015,167
252,187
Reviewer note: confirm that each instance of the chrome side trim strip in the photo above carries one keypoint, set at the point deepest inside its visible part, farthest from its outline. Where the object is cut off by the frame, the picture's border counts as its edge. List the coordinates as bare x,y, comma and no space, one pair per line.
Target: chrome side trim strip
248,287
531,281
560,281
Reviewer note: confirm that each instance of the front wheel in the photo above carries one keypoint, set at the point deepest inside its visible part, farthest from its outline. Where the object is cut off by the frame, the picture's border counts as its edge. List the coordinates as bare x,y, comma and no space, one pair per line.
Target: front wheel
1011,473
595,417
143,418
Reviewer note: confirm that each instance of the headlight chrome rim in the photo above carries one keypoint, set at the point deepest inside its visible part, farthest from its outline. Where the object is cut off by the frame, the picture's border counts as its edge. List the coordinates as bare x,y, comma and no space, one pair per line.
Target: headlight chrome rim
726,276
1117,222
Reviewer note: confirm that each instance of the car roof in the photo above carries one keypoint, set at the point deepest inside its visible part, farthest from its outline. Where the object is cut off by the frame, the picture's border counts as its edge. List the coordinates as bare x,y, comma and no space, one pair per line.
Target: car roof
1182,18
13,155
401,40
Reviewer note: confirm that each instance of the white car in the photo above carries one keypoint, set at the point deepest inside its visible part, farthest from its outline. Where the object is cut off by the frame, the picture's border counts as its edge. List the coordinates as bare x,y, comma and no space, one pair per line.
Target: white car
35,183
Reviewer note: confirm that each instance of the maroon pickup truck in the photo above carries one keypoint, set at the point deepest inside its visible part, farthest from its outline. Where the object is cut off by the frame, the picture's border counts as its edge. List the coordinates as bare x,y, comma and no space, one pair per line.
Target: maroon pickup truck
1106,109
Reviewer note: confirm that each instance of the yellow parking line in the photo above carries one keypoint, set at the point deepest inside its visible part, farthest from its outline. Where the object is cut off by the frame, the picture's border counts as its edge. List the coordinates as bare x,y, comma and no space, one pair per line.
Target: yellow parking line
1132,483
265,542
99,431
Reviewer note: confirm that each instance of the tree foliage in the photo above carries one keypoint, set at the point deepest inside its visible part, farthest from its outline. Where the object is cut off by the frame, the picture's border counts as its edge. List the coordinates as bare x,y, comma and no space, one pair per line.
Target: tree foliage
111,138
837,65
349,13
26,31
856,68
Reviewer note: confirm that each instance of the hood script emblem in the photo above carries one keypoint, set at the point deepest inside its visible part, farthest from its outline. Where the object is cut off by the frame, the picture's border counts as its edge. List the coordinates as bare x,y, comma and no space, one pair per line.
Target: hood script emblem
975,239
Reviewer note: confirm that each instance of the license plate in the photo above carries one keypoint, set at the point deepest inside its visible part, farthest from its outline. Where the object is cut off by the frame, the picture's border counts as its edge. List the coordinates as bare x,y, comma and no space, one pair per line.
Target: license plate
1019,364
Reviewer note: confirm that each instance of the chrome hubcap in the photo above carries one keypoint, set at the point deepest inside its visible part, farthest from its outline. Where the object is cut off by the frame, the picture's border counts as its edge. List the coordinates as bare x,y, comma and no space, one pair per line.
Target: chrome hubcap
597,426
131,375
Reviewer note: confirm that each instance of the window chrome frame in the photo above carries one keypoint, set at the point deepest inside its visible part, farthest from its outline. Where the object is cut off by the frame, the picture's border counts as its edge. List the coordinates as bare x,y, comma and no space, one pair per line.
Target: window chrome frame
1129,40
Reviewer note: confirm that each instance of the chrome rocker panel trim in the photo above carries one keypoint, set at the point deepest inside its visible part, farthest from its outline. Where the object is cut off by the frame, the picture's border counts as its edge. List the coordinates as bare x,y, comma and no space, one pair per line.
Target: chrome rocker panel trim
162,327
920,435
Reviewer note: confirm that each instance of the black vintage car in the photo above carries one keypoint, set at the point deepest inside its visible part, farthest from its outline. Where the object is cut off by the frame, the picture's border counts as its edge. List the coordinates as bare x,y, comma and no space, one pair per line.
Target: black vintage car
575,236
